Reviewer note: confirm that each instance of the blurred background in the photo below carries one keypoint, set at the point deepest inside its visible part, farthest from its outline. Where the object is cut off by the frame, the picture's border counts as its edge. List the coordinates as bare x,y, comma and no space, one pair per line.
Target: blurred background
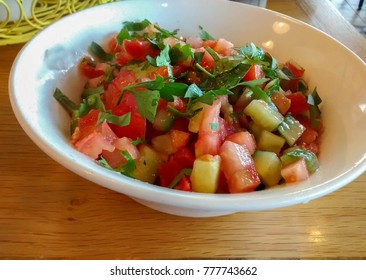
349,10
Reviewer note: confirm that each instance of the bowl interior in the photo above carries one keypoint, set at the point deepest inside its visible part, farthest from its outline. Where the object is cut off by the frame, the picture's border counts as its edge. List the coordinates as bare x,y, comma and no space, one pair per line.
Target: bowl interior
49,60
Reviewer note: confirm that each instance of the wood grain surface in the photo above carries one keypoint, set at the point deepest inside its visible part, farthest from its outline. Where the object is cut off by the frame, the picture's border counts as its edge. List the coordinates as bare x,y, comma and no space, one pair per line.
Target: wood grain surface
47,212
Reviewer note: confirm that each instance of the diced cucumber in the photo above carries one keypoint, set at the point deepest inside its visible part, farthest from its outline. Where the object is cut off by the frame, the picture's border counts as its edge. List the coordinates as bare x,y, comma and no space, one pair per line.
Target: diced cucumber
163,143
295,153
195,121
268,166
147,164
164,120
255,129
263,114
205,174
270,142
291,129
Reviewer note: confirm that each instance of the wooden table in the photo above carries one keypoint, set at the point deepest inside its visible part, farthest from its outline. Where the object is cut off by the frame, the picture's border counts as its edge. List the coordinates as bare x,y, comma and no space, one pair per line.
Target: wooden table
47,212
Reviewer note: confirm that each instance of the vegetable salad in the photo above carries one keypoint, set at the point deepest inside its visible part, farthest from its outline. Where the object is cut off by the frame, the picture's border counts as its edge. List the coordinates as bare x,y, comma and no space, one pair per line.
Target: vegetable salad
196,113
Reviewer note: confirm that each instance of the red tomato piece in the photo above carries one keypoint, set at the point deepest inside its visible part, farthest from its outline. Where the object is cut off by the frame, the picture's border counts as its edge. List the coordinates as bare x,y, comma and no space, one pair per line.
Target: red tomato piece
112,93
255,72
244,138
115,158
139,49
238,168
281,101
167,171
135,129
209,138
86,125
100,139
88,68
184,184
113,46
295,68
207,61
123,58
299,103
295,172
179,138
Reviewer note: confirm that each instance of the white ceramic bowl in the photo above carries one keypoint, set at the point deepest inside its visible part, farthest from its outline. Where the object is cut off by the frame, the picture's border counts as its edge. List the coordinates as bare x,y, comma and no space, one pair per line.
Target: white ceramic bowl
49,61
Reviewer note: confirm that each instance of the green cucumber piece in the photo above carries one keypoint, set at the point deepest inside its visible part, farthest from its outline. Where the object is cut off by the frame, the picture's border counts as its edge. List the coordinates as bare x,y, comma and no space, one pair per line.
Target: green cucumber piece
293,154
263,114
268,166
164,120
270,142
291,129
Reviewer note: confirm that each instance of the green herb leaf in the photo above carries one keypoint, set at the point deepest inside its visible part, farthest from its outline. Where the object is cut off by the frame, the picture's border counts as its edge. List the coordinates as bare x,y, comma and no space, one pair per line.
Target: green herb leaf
171,89
193,91
227,64
147,103
91,91
117,120
214,54
126,169
180,53
183,172
138,141
252,51
136,25
68,105
204,35
314,101
227,79
253,83
123,35
100,52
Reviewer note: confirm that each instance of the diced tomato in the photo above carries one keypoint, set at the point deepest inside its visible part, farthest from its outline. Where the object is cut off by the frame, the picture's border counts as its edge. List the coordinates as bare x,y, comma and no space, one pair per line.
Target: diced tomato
113,46
115,158
244,138
86,125
255,72
184,184
114,89
281,101
295,68
184,156
167,171
177,104
179,138
192,78
194,41
308,136
295,172
207,61
209,139
299,103
100,139
238,168
137,126
123,58
125,144
88,68
139,49
209,43
181,124
135,129
224,47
